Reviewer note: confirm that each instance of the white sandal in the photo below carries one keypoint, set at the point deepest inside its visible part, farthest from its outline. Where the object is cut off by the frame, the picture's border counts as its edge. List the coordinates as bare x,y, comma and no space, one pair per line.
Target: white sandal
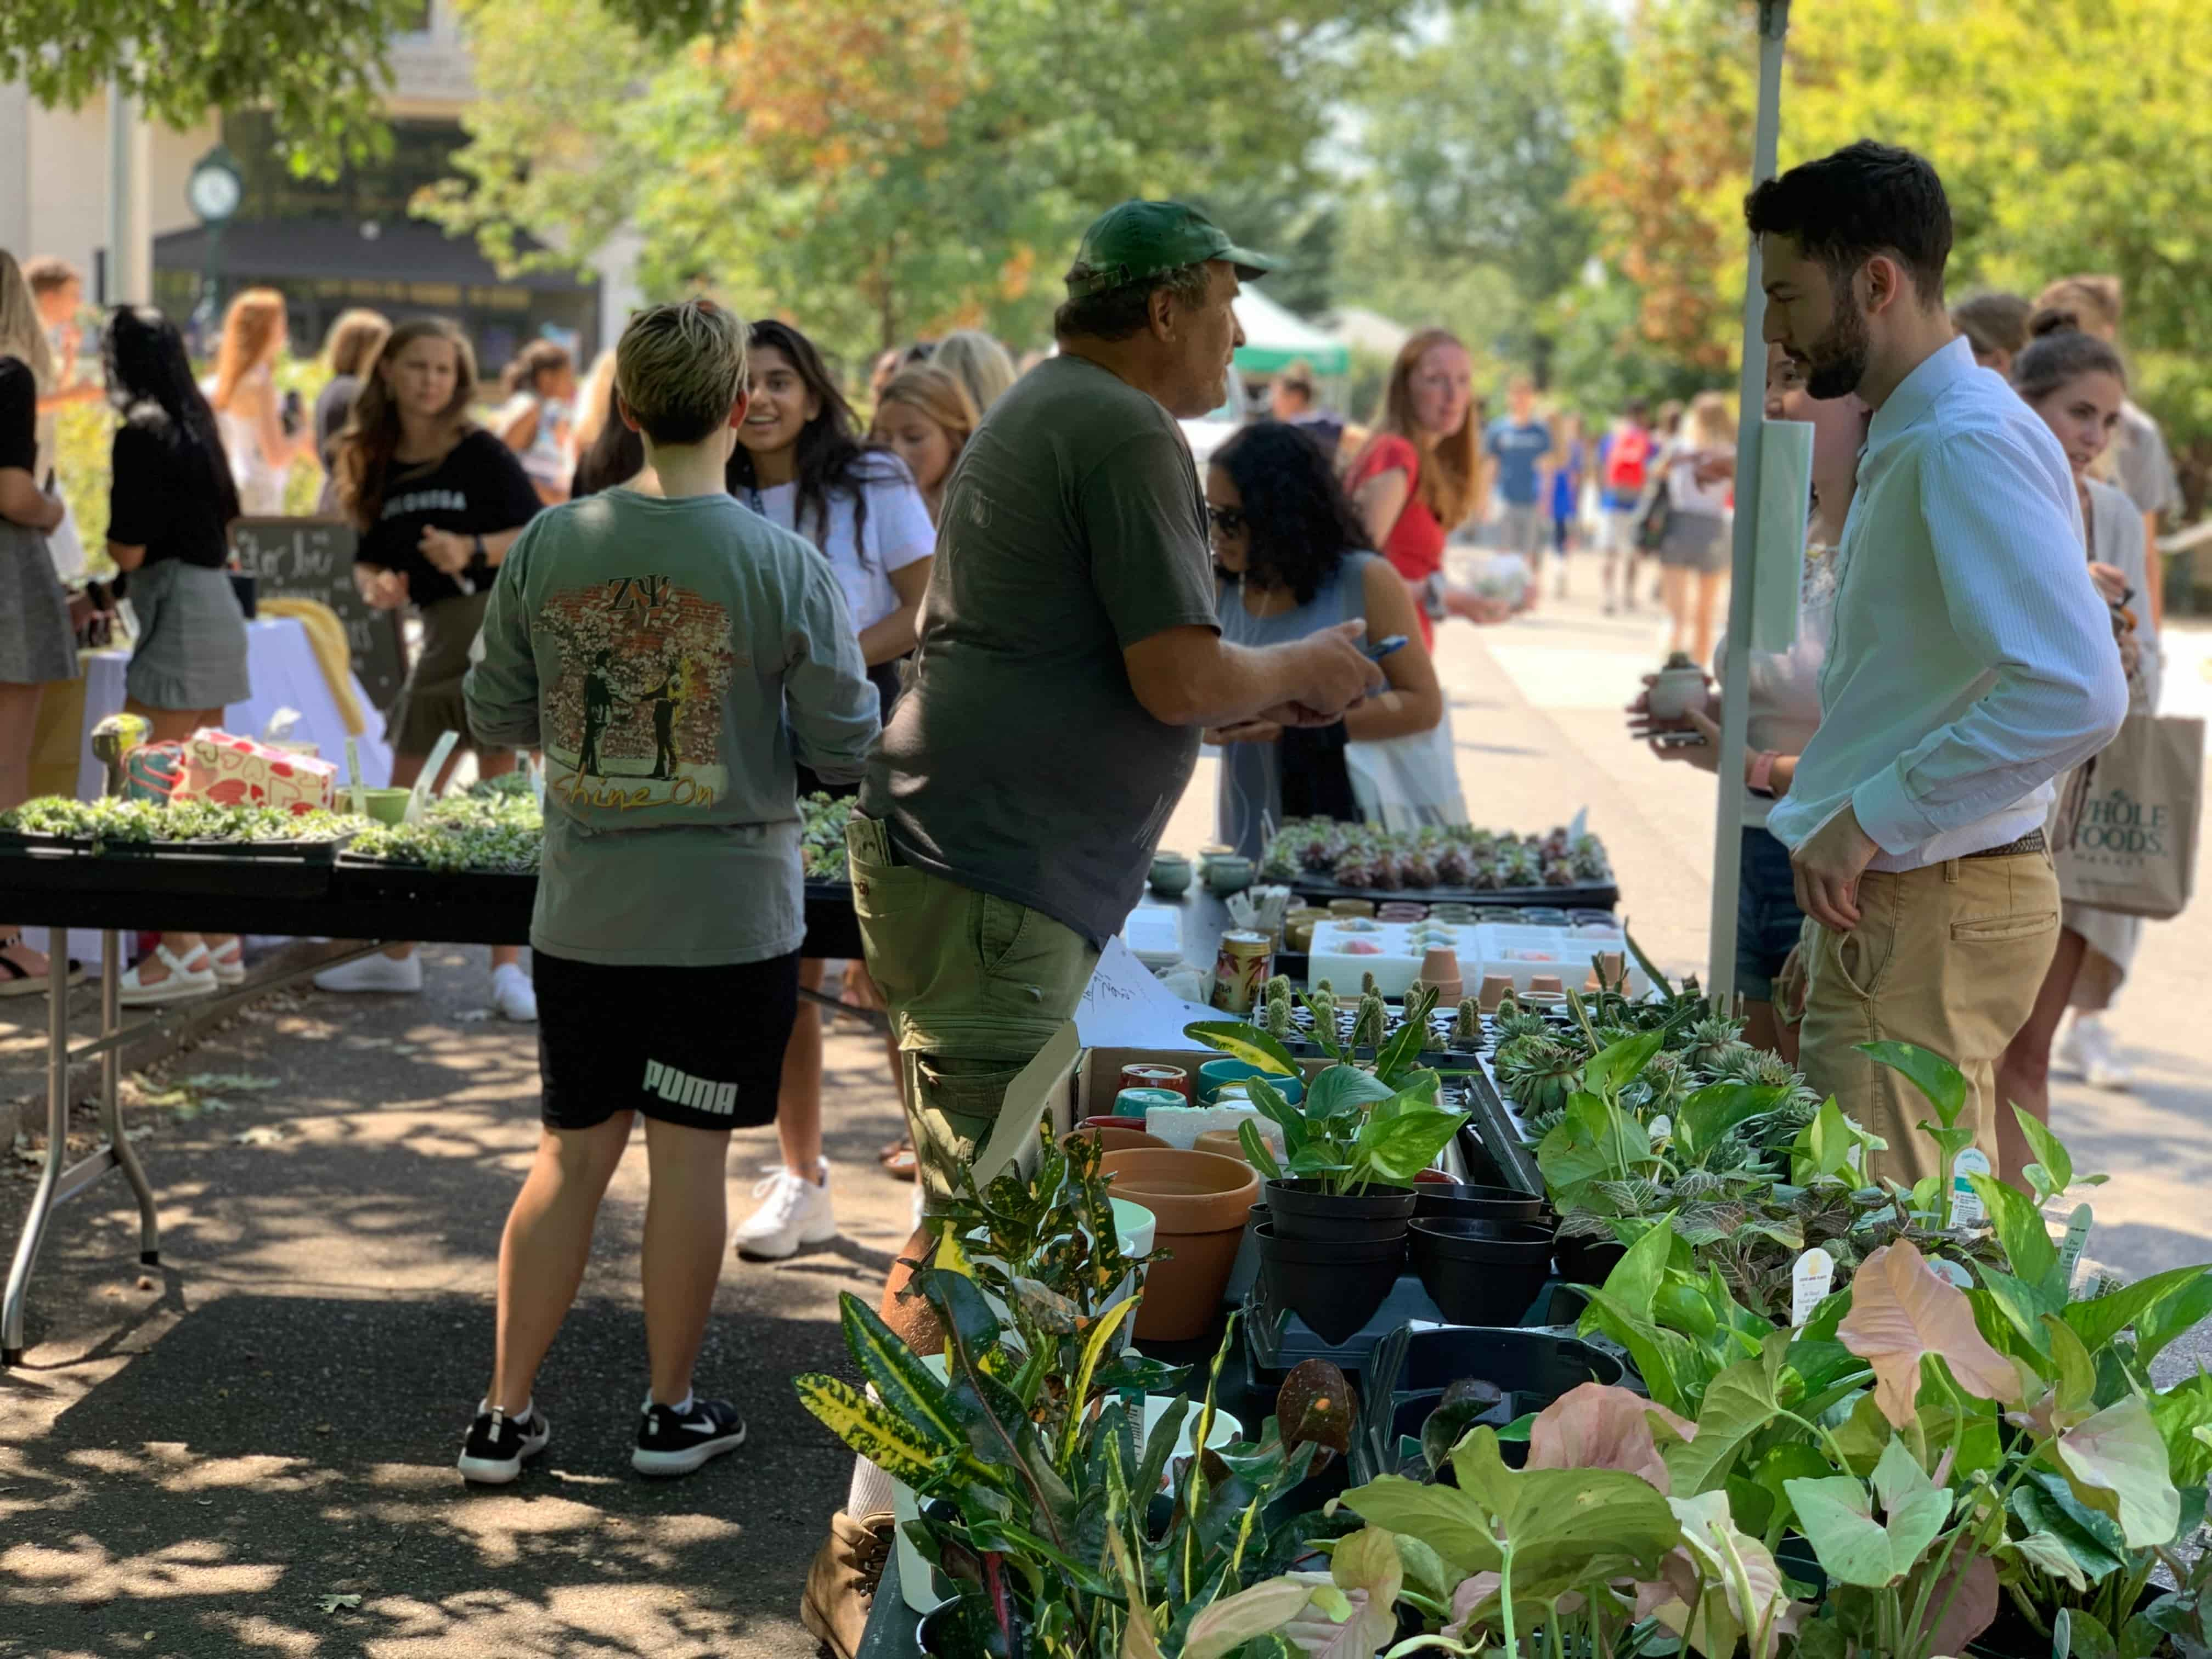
228,964
183,984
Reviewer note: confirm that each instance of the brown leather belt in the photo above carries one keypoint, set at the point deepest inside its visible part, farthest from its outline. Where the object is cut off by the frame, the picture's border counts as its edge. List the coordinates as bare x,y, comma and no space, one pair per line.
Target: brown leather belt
2032,841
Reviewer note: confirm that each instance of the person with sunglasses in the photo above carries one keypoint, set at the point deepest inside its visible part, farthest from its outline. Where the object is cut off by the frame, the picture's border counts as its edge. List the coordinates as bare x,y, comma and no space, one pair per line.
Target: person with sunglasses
1291,557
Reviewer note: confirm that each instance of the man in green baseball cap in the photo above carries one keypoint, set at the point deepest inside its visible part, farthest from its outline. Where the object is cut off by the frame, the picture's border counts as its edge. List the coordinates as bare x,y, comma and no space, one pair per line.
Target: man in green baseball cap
1070,658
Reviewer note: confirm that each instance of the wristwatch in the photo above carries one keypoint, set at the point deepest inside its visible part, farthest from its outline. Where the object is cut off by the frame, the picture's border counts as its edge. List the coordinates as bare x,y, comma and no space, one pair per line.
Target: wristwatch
1760,780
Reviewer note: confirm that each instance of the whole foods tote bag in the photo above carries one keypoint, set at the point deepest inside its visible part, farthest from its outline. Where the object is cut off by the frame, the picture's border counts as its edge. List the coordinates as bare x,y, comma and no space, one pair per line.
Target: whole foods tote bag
2127,820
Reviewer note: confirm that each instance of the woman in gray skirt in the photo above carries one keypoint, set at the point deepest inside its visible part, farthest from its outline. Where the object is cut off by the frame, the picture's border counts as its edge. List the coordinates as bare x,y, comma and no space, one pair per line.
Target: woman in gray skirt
170,509
36,645
438,502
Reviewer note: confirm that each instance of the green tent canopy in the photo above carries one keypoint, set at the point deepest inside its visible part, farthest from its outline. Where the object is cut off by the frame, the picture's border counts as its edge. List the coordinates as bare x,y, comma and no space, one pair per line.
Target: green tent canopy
1275,339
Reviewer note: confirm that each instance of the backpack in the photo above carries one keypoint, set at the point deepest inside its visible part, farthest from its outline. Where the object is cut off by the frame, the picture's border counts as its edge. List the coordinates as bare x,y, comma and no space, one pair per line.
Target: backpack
1625,462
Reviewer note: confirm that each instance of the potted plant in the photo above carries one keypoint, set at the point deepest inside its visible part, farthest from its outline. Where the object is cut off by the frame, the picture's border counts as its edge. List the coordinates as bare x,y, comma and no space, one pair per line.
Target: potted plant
1341,1197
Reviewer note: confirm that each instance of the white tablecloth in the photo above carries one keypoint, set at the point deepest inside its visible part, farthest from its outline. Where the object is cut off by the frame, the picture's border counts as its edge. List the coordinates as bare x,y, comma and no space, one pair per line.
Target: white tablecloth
284,673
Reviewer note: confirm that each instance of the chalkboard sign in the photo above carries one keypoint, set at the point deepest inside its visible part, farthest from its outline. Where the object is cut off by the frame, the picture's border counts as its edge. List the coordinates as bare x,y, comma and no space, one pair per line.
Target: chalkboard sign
313,559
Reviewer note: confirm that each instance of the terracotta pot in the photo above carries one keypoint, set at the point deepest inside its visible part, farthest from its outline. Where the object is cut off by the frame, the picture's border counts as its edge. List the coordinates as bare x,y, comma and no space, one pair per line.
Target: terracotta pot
1224,1143
1202,1201
1496,988
1112,1140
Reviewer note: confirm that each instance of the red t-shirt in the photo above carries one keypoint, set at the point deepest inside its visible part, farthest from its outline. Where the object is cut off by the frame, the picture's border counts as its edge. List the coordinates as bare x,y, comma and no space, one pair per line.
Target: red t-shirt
1415,545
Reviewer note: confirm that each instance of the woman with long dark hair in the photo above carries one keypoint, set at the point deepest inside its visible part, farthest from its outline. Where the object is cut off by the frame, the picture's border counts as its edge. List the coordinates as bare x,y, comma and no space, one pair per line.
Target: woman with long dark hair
438,501
1292,557
169,511
801,464
36,643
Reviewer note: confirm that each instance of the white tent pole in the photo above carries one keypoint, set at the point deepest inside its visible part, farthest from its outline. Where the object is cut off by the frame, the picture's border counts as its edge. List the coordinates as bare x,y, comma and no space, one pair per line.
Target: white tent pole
1736,687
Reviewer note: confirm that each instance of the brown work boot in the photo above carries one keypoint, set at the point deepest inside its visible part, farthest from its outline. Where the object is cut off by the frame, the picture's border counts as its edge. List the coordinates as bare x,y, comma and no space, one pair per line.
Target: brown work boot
840,1584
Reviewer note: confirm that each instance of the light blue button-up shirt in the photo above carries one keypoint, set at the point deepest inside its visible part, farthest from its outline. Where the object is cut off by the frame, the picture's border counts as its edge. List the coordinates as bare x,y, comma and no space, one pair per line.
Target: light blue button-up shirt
1973,661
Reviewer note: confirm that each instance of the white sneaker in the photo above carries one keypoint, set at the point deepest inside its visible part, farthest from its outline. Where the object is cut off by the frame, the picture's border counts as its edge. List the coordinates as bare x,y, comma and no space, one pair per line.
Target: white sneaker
513,993
374,972
186,978
794,1213
2100,1065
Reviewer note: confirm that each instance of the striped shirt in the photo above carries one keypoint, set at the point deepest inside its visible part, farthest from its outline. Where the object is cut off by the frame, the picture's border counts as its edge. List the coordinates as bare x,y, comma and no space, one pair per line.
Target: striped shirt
1973,661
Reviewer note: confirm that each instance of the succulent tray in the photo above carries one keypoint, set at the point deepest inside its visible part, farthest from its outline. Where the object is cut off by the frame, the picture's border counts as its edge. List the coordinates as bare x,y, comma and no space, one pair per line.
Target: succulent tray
115,846
1318,858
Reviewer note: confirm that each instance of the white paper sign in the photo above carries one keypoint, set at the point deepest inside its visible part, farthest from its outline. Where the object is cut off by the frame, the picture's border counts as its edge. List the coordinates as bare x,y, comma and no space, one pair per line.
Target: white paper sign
1952,1271
1786,494
2077,1240
1810,1281
1966,1206
1025,1105
1125,1006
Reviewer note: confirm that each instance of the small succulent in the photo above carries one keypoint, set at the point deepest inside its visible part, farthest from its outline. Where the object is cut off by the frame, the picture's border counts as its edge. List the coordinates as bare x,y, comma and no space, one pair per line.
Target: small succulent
1452,867
1706,1041
1466,1029
1324,1003
1353,869
1587,856
1372,1023
1512,1021
1367,982
1417,869
1277,986
1279,1023
1538,1074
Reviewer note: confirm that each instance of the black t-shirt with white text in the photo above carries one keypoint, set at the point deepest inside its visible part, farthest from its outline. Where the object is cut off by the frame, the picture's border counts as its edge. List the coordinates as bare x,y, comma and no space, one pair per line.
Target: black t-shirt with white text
478,488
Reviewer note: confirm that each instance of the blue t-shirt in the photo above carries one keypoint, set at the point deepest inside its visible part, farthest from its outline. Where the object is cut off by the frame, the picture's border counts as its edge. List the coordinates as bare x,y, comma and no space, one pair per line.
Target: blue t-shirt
1518,449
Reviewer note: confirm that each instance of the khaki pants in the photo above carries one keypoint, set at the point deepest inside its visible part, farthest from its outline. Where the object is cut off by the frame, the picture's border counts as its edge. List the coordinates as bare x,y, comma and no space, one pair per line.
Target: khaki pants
1949,958
975,985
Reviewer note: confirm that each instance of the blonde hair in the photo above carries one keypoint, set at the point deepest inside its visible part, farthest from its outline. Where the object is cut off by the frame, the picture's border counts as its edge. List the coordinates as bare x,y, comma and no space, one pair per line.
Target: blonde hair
249,339
937,396
1450,477
979,362
594,401
362,452
354,341
22,334
1710,421
2095,300
680,369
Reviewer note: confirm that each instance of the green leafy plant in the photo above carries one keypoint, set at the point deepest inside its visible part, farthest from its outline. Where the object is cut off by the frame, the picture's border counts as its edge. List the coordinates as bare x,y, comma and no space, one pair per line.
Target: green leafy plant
143,822
1355,1127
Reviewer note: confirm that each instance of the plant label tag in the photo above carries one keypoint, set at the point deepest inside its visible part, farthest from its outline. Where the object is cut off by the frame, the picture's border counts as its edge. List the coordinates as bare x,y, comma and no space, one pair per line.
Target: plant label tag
2076,1240
1966,1206
1661,1127
353,776
1810,1281
1952,1271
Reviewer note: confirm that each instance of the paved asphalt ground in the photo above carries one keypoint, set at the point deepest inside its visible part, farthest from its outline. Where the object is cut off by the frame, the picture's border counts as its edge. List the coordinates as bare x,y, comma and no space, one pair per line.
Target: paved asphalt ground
197,1455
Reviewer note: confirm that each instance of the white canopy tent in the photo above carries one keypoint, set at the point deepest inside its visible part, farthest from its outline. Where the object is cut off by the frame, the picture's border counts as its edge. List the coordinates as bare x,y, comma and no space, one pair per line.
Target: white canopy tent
1736,688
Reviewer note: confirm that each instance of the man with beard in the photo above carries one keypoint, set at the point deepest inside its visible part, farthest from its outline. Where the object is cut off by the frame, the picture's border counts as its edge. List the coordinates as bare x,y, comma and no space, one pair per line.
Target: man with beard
1972,660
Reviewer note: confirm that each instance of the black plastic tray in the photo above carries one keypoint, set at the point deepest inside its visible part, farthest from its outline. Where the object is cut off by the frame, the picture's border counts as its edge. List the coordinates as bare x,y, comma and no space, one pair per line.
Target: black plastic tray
300,870
1597,896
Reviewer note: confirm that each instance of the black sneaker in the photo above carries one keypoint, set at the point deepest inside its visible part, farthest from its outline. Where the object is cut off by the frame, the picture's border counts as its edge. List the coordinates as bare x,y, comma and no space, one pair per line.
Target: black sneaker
669,1444
498,1443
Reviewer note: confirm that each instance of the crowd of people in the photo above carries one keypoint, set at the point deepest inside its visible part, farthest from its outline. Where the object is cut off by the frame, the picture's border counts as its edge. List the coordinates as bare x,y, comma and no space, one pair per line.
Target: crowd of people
1005,612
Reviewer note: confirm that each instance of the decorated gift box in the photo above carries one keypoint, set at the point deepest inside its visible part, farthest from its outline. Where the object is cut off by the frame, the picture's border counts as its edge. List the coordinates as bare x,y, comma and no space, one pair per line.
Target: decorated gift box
235,771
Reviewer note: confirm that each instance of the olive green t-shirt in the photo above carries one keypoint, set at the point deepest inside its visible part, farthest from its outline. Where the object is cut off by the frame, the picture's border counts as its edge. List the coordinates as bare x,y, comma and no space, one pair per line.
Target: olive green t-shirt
1019,763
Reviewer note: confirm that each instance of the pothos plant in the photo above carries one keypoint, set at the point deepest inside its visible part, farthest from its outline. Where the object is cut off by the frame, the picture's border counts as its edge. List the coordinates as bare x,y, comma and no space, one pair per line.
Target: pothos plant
1356,1126
1065,1527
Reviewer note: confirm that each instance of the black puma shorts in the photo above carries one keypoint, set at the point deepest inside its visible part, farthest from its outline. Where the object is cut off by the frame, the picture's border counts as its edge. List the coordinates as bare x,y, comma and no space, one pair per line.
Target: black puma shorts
702,1047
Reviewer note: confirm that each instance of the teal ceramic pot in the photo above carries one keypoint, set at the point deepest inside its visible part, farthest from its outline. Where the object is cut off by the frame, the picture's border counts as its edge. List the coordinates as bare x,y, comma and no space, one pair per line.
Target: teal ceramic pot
1215,1073
1172,874
1231,874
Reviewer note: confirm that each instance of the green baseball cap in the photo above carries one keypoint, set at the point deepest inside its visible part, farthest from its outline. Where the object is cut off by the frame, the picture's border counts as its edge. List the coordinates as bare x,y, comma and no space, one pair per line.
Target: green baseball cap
1139,240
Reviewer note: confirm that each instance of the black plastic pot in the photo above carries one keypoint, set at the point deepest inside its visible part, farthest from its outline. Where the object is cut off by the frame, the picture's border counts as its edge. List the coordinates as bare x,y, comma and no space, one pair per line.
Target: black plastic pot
1587,1260
1457,1200
1302,1208
1334,1284
1481,1273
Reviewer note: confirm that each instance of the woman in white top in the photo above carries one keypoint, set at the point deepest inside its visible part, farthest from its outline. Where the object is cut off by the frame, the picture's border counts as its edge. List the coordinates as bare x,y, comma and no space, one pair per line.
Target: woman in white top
247,410
1693,555
2077,383
1784,705
801,463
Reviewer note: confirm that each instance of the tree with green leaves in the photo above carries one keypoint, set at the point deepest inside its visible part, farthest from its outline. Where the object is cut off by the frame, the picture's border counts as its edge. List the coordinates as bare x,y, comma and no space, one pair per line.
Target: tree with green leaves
319,66
880,174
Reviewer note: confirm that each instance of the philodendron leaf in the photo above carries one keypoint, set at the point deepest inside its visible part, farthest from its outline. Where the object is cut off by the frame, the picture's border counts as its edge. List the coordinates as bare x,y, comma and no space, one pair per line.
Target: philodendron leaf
2118,1462
1403,1147
1739,1404
1595,1140
1596,1426
1448,1521
2179,1412
1943,1084
1903,1311
1233,1621
1244,1041
2043,1552
1853,1548
2054,1165
1340,1090
1634,1282
1745,1606
1256,1150
2097,1320
1713,1110
1617,1065
1567,1527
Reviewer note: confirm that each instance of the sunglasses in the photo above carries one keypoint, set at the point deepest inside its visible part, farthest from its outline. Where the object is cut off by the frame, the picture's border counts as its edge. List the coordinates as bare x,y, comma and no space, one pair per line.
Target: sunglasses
1226,520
